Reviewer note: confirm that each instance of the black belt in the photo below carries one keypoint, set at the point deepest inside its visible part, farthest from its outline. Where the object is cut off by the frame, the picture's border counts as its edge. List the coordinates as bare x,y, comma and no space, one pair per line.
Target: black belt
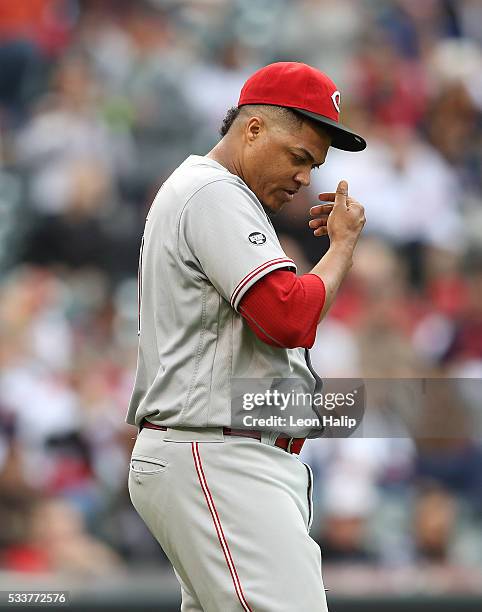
290,445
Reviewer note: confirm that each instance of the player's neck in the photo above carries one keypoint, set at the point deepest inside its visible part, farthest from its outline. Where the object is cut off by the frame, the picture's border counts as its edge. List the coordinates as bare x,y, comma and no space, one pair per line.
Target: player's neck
221,155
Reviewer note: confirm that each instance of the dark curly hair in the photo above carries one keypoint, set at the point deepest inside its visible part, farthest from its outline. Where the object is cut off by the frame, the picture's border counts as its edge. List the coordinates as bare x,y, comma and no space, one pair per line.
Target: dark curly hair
228,120
278,113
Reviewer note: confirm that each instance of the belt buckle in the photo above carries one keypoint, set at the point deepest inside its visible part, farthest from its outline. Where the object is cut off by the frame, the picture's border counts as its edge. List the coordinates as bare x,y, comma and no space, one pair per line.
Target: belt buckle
290,444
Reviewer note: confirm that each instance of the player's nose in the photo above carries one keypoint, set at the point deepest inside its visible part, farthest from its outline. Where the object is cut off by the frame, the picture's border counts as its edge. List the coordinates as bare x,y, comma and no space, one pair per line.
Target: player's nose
302,178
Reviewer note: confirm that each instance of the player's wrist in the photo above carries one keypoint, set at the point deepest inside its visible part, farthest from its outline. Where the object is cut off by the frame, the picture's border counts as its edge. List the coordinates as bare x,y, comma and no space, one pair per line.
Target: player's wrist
343,248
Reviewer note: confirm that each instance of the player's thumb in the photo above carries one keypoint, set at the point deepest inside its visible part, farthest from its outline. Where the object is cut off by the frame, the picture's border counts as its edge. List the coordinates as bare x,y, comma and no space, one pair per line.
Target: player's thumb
341,193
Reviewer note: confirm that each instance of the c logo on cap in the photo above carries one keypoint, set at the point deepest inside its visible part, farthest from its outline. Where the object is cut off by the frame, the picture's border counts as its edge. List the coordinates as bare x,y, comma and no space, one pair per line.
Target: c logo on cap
336,97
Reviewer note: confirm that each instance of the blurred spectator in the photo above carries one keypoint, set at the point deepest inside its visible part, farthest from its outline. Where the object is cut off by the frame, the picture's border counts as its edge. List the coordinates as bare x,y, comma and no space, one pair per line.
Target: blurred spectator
30,32
47,23
414,26
391,87
20,77
454,110
453,464
55,541
323,34
466,343
434,518
348,506
64,132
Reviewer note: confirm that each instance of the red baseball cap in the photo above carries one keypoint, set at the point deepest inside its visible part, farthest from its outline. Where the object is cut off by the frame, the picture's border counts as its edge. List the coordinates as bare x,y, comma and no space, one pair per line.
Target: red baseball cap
307,91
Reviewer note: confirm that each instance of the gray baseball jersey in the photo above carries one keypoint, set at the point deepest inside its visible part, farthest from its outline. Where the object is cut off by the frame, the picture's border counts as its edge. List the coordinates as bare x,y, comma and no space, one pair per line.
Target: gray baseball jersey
207,240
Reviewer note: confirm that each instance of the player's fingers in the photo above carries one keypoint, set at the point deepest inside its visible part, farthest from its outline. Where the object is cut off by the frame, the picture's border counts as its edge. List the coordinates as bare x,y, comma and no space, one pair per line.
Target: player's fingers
329,196
321,231
321,209
341,193
314,223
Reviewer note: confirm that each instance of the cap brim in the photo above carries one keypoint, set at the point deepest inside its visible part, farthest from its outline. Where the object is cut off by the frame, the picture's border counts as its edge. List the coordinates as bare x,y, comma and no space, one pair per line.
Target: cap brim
343,138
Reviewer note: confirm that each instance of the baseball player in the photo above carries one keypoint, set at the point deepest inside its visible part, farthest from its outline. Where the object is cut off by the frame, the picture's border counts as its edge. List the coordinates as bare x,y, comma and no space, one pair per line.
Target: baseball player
219,300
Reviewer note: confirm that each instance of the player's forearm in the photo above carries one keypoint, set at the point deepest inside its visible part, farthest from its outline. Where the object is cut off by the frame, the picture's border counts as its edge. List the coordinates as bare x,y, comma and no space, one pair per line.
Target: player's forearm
332,269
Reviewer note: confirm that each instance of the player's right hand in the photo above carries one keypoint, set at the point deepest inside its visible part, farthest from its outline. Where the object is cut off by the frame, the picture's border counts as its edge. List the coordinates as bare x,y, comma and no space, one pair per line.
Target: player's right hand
340,216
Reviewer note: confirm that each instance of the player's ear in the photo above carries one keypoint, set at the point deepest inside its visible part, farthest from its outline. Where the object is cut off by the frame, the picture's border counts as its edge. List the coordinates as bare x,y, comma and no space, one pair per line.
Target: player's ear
254,126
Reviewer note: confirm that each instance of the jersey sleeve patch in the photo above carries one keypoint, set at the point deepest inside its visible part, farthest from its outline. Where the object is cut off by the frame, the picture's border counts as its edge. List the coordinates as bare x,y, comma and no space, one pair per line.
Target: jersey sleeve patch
257,238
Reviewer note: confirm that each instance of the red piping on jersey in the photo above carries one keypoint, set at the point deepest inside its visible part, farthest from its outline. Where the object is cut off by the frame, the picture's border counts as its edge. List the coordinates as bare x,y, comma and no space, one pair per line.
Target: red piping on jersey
242,283
217,525
283,309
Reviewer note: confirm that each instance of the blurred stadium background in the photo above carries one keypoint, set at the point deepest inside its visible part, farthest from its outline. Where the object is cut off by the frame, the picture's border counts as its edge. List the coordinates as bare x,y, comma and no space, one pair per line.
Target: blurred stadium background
99,102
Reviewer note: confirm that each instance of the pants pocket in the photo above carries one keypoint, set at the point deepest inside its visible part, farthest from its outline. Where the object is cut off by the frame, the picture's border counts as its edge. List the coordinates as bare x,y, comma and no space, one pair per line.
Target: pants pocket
147,465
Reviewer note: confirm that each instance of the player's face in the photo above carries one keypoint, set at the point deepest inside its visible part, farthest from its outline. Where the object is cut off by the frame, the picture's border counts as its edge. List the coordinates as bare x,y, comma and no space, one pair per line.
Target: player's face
279,160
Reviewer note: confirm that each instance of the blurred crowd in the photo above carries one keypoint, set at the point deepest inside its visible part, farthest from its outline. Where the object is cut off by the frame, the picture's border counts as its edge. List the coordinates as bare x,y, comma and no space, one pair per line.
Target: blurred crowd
99,101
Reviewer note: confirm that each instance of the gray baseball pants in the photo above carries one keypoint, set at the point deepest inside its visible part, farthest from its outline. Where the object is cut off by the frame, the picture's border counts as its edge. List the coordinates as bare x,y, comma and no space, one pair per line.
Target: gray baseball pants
233,516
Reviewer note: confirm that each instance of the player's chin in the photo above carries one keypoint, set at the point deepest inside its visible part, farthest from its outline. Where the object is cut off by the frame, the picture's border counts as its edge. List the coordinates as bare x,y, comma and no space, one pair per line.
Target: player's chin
276,201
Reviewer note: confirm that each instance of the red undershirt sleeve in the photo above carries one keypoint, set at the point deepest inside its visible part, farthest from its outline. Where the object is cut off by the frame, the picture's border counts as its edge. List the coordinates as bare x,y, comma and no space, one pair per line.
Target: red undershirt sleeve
283,309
